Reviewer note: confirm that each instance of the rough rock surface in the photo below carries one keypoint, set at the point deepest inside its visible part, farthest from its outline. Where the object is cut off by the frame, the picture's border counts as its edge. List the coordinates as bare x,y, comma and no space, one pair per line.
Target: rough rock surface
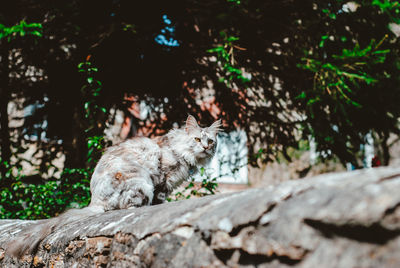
334,220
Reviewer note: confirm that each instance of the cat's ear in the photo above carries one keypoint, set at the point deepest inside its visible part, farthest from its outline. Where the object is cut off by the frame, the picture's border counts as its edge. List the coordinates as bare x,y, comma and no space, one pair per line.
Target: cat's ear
215,127
191,124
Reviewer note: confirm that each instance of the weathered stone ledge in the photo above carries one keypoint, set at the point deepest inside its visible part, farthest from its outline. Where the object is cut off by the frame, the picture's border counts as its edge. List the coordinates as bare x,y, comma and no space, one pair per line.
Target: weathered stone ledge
333,220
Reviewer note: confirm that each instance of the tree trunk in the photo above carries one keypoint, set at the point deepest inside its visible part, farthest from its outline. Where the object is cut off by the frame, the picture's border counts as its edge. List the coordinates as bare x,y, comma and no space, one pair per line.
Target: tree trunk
76,147
349,219
385,150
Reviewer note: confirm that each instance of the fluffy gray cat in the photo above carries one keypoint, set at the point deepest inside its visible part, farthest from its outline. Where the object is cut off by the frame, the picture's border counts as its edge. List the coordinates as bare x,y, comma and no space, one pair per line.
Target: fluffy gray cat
143,171
138,172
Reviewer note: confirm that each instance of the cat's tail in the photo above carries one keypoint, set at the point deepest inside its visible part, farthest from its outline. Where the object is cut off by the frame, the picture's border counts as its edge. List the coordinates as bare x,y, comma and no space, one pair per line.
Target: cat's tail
28,240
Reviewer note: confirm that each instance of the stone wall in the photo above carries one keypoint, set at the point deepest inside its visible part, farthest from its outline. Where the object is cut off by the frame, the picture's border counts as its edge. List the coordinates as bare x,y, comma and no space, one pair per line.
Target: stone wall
333,220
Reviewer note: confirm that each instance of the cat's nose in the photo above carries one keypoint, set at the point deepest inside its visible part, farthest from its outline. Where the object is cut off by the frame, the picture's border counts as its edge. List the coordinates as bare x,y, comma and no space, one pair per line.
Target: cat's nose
205,147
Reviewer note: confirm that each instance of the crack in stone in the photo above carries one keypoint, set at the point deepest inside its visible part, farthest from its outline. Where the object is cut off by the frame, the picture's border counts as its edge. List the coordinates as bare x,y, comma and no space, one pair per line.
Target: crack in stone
236,229
270,207
391,210
257,259
394,176
224,255
227,256
373,234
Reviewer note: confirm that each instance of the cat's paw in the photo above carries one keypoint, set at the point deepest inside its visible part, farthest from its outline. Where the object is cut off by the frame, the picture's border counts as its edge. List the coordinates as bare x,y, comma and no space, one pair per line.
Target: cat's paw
134,198
161,196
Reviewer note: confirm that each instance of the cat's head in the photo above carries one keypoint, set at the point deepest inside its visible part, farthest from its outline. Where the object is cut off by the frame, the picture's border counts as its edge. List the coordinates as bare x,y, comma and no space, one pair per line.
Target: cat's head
203,141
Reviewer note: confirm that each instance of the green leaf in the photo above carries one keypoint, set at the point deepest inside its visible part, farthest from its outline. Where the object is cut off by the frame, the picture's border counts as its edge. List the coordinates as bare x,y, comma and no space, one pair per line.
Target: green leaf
216,49
232,38
302,95
37,33
311,101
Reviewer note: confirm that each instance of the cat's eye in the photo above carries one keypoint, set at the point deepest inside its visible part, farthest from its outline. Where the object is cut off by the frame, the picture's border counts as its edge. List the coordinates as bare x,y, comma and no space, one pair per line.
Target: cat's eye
210,142
197,139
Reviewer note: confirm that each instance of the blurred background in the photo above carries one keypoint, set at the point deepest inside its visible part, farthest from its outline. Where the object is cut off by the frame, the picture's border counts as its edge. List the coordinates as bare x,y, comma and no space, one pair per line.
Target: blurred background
302,87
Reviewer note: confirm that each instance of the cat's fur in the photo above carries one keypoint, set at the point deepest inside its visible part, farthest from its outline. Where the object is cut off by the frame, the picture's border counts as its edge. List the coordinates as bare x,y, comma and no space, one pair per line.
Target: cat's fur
138,172
128,174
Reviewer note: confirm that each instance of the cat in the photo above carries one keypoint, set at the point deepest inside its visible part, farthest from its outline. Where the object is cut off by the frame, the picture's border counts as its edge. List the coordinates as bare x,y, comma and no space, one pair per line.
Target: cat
137,172
143,171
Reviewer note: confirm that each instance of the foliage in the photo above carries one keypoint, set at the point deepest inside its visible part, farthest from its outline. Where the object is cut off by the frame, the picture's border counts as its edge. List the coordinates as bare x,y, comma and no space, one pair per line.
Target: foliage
21,29
284,71
207,186
91,92
352,72
225,55
94,112
29,201
339,83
